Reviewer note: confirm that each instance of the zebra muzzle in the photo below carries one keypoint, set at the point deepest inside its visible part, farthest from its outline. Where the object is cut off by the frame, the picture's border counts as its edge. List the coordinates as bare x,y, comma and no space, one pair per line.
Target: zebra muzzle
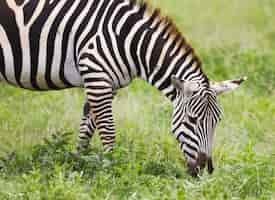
197,167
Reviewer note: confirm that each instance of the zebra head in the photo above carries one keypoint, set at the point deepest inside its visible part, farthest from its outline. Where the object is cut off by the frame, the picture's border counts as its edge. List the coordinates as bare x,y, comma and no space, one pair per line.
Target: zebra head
196,113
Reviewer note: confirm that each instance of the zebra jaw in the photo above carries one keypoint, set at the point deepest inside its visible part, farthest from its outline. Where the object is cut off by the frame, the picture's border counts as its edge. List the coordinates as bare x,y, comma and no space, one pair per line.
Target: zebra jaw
226,86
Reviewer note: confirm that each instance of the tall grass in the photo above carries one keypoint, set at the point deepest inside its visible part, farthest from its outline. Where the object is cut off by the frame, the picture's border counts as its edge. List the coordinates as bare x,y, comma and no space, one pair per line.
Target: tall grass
233,39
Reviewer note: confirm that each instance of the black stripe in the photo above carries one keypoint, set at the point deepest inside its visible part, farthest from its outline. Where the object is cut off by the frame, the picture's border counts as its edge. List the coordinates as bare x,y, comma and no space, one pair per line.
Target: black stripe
97,21
19,2
187,75
189,154
166,64
121,38
35,34
156,52
136,41
51,44
191,147
8,22
177,127
179,116
144,48
65,42
83,25
107,35
176,68
93,94
93,59
29,9
2,64
102,54
191,128
146,42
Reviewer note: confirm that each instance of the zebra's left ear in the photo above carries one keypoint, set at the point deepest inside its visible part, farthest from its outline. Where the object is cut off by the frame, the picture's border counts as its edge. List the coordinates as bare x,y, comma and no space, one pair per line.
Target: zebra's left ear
226,86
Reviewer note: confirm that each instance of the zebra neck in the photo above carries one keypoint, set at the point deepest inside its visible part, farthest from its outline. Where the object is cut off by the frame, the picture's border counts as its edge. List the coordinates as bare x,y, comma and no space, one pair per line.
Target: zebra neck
167,59
159,51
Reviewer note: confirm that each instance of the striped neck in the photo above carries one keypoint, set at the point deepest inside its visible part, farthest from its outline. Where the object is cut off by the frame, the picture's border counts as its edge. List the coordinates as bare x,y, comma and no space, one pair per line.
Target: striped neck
162,52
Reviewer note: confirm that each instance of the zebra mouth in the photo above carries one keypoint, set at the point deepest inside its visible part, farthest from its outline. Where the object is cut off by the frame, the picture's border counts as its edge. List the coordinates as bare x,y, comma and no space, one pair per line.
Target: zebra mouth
195,168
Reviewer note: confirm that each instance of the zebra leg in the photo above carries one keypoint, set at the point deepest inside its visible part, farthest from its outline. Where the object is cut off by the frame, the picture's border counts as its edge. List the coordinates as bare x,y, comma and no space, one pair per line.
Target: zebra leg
99,93
86,130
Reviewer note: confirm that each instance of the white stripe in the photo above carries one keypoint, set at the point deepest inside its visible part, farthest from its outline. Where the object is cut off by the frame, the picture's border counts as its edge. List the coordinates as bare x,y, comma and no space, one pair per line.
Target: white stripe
102,61
190,69
71,72
25,44
169,70
86,31
57,51
127,44
124,19
185,64
176,47
115,47
190,133
155,22
84,63
168,90
142,67
150,52
37,11
41,70
8,56
106,51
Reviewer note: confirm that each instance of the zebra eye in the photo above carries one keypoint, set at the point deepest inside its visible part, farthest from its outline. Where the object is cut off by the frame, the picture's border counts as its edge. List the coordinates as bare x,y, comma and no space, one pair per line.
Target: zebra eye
192,119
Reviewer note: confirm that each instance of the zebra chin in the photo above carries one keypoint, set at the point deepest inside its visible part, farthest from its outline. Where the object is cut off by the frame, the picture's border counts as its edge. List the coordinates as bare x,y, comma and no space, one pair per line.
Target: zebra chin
197,167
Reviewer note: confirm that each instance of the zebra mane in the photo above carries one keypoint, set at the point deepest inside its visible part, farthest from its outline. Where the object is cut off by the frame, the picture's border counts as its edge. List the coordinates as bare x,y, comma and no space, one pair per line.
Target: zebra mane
174,31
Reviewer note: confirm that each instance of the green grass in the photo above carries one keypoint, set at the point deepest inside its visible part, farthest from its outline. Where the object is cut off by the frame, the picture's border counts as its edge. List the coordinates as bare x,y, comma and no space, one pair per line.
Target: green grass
233,39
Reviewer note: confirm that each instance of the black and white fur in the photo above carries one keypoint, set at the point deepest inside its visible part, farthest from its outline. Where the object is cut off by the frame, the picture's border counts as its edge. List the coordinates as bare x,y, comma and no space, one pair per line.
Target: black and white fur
102,45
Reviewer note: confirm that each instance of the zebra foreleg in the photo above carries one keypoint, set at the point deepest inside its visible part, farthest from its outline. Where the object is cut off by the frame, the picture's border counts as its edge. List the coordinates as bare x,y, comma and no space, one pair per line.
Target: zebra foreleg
100,99
86,130
99,93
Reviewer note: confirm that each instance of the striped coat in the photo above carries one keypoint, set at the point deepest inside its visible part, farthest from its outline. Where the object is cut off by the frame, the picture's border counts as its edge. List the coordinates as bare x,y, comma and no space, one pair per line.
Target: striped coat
102,45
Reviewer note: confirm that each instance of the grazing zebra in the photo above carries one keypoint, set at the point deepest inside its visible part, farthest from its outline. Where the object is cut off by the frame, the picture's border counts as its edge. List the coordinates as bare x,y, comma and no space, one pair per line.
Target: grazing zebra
102,45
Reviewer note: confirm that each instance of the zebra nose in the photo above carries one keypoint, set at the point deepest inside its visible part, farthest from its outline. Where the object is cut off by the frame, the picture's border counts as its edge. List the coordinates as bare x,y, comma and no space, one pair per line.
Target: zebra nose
195,167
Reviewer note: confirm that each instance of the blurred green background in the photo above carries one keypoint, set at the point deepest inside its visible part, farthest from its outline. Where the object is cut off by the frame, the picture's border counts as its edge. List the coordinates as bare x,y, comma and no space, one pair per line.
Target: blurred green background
233,39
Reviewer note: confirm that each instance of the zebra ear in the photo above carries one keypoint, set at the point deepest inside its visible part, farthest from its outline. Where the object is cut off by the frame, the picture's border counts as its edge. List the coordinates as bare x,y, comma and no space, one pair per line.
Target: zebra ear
226,86
188,87
177,83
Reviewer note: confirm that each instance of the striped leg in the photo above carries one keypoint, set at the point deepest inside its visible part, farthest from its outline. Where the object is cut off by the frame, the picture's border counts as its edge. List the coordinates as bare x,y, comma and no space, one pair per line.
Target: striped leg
99,93
86,130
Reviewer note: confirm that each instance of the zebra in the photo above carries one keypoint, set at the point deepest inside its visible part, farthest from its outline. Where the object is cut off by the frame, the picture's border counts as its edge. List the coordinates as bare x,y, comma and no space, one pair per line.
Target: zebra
101,46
